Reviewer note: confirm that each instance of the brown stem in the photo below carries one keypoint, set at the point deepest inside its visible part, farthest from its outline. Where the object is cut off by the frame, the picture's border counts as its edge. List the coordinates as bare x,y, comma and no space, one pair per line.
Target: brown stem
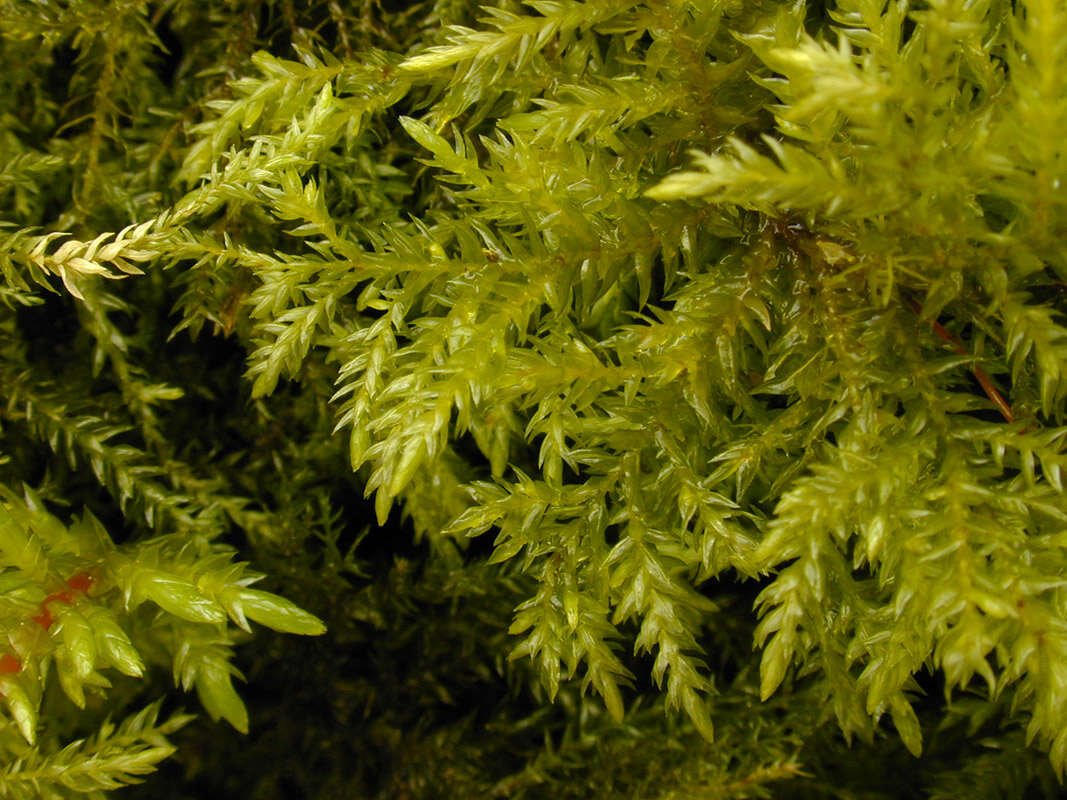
983,379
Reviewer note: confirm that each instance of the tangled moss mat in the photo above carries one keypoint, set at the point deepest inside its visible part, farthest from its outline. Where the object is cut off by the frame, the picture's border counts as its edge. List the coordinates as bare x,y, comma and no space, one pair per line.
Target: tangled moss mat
622,399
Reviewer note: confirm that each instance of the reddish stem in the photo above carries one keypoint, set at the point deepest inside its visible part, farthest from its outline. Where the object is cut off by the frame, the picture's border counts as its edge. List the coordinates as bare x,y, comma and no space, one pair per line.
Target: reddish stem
983,379
79,583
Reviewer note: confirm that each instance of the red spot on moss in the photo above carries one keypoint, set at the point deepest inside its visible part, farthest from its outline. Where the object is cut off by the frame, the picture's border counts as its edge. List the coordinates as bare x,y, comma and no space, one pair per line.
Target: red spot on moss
80,582
63,597
9,665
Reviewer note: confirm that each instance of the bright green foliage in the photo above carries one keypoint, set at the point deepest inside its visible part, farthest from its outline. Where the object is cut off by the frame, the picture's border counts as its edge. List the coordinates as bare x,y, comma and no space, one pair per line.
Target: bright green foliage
115,756
664,328
82,625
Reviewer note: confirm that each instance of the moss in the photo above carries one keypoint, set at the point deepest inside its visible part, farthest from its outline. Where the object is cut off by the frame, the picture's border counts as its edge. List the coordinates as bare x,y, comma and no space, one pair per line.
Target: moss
552,355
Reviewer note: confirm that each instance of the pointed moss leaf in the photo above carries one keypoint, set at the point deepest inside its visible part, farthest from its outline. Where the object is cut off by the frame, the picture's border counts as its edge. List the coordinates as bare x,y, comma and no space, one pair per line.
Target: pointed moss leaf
776,658
1058,753
78,643
179,597
697,709
21,707
410,460
278,613
570,607
383,501
609,690
215,689
907,724
71,683
19,546
424,135
113,643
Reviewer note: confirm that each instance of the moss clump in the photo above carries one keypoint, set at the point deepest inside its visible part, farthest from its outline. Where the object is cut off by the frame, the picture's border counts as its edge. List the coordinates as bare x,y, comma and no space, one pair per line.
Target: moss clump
551,355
